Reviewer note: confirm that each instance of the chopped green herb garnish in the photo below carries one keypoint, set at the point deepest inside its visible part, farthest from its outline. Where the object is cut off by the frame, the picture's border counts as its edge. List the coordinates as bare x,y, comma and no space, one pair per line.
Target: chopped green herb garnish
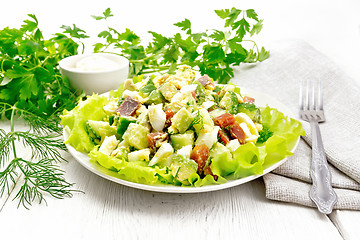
265,134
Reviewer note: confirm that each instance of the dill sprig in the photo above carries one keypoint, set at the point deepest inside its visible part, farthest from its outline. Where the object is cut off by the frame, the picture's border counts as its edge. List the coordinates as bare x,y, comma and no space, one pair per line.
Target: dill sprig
41,174
5,146
41,177
48,146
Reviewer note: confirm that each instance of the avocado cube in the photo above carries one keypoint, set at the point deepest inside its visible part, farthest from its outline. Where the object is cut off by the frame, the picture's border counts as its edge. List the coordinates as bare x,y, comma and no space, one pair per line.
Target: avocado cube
136,136
202,118
168,90
180,140
230,102
155,97
182,168
182,120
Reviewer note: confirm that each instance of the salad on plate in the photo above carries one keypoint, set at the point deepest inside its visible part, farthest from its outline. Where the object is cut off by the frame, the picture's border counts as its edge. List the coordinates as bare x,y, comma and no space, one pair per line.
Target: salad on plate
181,130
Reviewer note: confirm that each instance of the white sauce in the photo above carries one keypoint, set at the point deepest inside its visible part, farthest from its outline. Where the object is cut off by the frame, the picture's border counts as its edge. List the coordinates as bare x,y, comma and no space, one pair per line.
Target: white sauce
96,63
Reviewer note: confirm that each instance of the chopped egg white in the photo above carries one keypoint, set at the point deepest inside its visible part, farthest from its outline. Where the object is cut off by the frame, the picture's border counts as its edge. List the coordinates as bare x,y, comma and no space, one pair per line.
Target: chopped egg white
208,137
111,107
208,104
233,145
185,151
163,153
188,88
134,95
142,154
245,129
109,144
157,117
242,117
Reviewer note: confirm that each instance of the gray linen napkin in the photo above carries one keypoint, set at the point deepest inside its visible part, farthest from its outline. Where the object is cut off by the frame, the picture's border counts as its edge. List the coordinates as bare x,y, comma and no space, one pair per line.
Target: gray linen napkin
279,76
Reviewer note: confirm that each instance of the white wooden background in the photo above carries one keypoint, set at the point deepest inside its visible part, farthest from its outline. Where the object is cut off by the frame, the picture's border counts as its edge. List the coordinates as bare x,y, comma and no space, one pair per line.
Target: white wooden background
110,211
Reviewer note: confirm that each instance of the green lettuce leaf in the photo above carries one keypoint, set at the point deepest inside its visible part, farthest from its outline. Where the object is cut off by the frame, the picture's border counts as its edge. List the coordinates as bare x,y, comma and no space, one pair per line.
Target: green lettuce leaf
209,180
90,109
118,92
138,172
282,125
222,162
249,161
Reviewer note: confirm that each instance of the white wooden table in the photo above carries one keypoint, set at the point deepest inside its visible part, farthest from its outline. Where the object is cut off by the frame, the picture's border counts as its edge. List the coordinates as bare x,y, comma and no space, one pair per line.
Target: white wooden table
107,210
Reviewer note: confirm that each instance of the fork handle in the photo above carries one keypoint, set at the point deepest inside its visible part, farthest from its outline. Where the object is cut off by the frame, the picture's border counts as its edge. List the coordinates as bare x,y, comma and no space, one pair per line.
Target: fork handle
321,191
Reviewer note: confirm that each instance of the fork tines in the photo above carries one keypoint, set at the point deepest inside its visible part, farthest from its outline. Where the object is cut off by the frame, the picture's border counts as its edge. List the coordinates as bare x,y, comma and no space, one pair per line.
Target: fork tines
311,101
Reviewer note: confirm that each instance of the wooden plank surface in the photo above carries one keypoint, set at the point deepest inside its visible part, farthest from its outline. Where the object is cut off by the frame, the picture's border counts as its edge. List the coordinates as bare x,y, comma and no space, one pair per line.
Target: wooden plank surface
347,222
107,210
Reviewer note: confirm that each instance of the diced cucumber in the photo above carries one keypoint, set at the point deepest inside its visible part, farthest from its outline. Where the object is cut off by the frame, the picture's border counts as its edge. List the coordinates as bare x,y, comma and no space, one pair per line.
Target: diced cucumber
100,129
181,140
123,124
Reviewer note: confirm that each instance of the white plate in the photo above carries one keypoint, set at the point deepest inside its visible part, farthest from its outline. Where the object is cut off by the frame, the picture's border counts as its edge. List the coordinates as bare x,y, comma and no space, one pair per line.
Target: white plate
261,100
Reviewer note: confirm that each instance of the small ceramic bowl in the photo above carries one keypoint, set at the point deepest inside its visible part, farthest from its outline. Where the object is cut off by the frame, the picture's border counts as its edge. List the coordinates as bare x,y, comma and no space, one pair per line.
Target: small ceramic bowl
95,72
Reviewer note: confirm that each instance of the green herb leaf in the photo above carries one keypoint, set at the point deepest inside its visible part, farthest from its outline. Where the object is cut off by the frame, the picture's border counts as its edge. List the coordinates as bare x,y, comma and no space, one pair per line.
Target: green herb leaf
250,13
74,32
264,135
184,25
106,14
218,35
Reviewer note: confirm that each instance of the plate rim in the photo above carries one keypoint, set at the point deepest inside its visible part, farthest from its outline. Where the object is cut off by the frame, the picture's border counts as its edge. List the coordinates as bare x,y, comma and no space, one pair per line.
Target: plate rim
96,168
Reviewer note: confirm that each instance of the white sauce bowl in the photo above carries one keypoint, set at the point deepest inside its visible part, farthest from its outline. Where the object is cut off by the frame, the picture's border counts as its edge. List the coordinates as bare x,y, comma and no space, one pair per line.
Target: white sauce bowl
96,79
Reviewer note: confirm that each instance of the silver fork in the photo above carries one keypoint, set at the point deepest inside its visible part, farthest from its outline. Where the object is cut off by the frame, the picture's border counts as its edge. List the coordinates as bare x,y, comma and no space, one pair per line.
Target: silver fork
311,110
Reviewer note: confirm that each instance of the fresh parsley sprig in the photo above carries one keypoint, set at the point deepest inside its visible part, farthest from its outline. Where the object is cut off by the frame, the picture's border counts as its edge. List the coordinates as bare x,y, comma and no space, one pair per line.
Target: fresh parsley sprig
29,74
213,52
